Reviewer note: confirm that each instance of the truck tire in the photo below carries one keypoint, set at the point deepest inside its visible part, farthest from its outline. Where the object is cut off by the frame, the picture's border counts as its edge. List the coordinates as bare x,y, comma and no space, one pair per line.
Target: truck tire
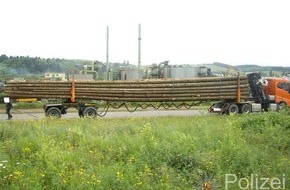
282,105
53,112
90,112
81,112
246,109
233,109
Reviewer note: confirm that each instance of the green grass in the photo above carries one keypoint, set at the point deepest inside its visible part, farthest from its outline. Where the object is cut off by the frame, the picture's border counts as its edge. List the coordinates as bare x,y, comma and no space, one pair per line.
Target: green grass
143,153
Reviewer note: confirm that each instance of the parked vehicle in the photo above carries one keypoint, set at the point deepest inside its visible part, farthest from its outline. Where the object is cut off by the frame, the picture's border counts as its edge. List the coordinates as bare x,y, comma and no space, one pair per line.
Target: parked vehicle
265,94
239,94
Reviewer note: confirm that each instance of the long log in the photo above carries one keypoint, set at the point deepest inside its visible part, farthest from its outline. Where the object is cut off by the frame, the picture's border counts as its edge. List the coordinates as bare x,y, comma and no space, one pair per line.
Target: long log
38,96
126,89
151,82
148,93
132,86
134,91
161,99
153,90
146,81
162,89
211,88
39,93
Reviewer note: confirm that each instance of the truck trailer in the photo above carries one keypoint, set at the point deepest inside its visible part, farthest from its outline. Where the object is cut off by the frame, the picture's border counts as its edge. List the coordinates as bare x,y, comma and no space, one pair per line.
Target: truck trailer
241,94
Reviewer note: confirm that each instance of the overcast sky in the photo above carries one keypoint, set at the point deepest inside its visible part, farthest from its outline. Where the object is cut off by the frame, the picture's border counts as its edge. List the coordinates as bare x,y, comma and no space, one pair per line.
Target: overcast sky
181,31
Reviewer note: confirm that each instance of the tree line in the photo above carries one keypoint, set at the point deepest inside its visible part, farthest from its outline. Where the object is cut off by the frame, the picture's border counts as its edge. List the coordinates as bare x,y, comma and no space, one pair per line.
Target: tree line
25,65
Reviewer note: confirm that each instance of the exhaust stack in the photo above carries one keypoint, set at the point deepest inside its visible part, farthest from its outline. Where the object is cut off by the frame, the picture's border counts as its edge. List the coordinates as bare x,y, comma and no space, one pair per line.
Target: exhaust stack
139,52
107,55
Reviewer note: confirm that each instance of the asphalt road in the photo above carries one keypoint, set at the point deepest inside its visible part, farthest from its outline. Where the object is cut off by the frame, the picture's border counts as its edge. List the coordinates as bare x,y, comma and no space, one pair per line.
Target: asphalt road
38,114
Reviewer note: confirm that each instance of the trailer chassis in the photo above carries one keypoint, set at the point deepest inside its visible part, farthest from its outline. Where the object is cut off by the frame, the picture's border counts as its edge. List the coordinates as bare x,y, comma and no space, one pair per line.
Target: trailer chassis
88,110
224,107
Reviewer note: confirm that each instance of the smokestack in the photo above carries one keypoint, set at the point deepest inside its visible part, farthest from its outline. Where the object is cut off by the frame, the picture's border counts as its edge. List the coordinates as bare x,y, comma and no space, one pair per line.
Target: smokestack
107,55
139,53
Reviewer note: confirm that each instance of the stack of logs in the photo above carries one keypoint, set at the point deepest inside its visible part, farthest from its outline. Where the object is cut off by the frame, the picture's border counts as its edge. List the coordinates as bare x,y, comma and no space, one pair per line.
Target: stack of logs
153,90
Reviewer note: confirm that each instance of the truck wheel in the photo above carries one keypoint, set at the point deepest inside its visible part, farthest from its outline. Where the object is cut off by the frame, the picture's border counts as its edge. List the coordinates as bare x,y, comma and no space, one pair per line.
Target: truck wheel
53,112
90,112
282,105
81,112
233,109
246,109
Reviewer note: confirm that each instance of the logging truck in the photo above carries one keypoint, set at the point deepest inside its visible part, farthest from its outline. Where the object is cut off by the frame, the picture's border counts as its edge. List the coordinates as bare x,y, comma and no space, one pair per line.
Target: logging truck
232,95
264,94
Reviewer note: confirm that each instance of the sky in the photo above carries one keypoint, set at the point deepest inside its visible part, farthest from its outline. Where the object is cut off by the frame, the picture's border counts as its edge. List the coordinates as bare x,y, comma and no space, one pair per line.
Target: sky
179,31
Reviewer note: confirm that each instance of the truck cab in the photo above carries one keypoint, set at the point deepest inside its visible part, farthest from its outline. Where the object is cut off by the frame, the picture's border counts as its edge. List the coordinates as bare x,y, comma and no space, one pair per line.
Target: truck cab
278,91
265,94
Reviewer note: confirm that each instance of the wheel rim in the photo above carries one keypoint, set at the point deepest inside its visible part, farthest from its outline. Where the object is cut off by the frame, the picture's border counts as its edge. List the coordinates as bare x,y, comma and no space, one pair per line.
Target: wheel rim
282,105
246,109
233,109
90,113
54,113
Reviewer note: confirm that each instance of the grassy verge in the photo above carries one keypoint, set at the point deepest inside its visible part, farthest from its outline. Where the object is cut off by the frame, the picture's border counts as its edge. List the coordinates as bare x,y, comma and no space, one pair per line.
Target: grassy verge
143,153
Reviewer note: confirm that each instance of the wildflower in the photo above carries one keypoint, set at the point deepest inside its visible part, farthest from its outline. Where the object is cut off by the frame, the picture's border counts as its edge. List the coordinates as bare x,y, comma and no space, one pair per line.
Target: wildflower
26,150
119,175
132,159
139,183
82,171
93,177
17,173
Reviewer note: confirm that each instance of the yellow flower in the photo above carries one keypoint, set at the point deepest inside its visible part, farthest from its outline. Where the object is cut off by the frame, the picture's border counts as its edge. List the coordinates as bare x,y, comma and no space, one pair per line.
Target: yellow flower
26,150
139,183
119,175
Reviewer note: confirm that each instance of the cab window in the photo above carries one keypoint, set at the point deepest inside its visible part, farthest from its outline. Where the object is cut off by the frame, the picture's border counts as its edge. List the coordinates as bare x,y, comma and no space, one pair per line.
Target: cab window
284,86
281,85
